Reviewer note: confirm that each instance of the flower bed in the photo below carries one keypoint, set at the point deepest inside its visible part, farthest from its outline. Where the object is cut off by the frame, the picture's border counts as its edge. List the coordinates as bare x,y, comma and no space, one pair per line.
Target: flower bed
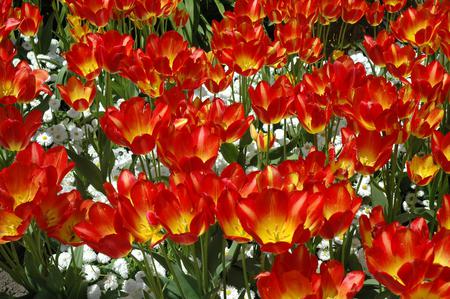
213,149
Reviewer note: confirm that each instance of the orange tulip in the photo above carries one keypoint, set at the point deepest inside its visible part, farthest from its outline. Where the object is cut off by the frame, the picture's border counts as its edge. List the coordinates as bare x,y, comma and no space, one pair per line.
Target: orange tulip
134,125
271,103
431,83
77,95
16,130
277,219
397,256
394,5
135,200
12,227
97,12
443,214
21,84
372,151
55,161
294,276
227,216
417,27
82,61
112,48
30,19
339,208
353,10
425,120
375,13
102,230
440,147
184,214
421,170
188,148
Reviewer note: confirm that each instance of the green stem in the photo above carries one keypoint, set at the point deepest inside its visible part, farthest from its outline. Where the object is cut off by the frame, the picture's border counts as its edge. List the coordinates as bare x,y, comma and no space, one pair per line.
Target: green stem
169,265
244,270
224,272
108,90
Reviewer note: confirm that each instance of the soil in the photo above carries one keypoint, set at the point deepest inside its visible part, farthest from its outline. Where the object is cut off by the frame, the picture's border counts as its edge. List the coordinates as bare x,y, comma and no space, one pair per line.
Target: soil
9,287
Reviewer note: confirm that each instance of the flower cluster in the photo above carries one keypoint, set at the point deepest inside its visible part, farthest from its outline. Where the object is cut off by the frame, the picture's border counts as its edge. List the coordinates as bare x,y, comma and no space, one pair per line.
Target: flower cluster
286,149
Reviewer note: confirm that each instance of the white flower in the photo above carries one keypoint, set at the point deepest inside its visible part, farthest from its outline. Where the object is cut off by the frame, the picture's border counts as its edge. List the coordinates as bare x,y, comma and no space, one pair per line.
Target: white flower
73,114
103,258
94,292
48,116
91,272
89,255
137,254
363,210
44,139
133,288
120,266
232,293
160,270
97,196
324,250
76,134
64,260
364,189
420,193
59,134
110,282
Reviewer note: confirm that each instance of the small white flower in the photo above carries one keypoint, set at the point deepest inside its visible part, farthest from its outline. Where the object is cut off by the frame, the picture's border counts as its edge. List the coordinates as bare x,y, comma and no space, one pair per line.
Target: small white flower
64,260
48,116
94,292
134,289
363,210
44,139
103,258
89,255
91,272
364,188
73,114
59,134
137,254
420,193
120,266
54,103
232,293
76,134
110,282
324,250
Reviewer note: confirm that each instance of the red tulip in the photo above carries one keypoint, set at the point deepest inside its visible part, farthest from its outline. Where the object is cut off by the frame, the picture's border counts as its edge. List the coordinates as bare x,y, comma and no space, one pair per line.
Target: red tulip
16,130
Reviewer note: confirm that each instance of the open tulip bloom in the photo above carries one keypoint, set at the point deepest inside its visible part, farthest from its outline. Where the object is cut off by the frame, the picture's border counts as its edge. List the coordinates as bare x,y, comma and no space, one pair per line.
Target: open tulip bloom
180,149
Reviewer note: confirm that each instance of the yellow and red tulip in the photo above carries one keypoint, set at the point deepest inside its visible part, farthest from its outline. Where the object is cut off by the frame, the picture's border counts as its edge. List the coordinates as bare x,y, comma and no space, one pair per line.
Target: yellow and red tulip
277,219
102,230
421,170
16,130
134,124
77,95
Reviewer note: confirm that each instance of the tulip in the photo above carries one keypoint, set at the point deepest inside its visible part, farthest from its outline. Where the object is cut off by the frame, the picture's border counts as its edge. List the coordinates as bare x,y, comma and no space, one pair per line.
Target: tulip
30,19
134,125
271,103
102,230
421,170
77,95
184,214
16,130
277,219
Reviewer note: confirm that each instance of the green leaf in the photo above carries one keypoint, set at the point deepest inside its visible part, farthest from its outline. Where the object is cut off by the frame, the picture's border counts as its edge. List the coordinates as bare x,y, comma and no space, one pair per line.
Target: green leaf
220,6
229,152
87,169
45,35
378,197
